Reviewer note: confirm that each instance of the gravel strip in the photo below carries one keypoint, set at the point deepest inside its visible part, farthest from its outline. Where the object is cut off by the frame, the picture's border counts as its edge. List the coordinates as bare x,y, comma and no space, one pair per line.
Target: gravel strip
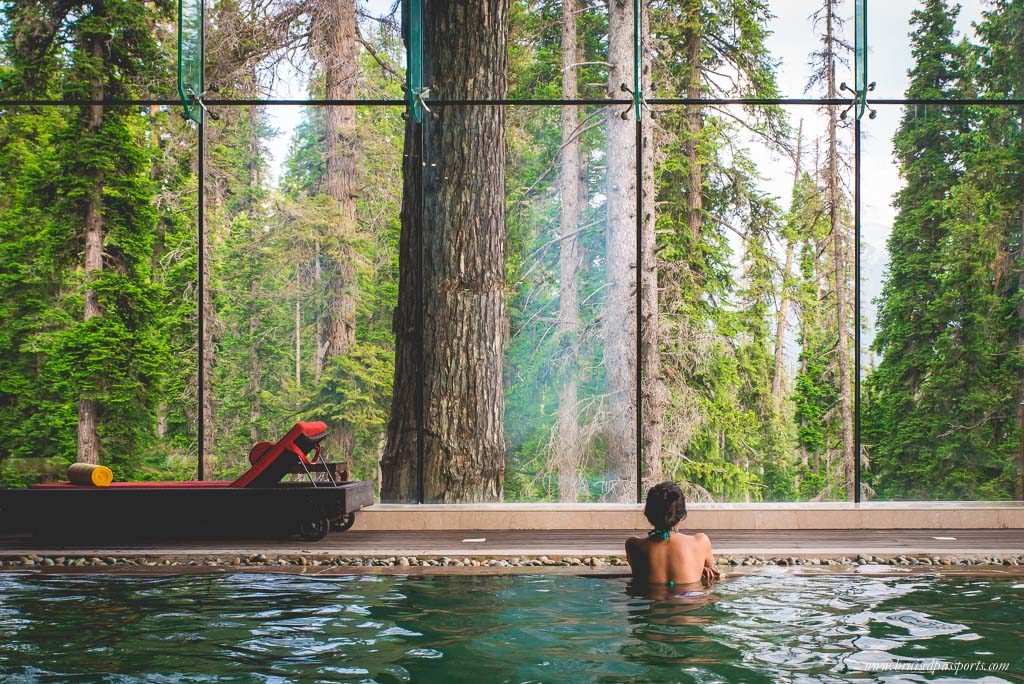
34,561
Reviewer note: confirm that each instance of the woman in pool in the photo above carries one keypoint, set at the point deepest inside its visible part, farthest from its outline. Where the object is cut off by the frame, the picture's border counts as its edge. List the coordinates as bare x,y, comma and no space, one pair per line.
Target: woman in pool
666,556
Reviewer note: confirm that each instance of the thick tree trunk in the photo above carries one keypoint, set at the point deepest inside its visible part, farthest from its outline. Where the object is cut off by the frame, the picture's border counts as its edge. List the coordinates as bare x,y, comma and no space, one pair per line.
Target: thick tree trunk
620,254
784,286
654,394
839,263
568,445
334,39
399,464
461,272
88,450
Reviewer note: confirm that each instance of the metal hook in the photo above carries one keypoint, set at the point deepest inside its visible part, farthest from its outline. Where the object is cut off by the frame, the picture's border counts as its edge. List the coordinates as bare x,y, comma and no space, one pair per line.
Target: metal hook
421,99
213,115
858,98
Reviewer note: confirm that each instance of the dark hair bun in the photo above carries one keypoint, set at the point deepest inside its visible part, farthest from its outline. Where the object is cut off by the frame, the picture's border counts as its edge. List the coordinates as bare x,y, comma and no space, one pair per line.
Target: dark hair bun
665,506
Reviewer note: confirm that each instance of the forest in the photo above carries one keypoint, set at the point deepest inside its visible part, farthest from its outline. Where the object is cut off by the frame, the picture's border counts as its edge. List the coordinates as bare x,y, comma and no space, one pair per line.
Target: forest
460,288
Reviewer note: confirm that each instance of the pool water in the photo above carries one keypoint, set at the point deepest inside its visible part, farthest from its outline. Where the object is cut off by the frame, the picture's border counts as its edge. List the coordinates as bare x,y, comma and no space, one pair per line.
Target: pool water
522,628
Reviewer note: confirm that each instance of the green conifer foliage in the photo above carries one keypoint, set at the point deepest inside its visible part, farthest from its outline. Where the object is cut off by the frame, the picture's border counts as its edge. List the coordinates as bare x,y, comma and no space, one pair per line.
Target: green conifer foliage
94,158
940,418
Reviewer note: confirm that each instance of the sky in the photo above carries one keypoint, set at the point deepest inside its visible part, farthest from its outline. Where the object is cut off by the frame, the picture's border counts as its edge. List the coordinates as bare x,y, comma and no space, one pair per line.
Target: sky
792,39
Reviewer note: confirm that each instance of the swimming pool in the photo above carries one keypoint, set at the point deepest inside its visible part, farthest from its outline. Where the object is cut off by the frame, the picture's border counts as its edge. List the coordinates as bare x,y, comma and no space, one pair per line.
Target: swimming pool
524,628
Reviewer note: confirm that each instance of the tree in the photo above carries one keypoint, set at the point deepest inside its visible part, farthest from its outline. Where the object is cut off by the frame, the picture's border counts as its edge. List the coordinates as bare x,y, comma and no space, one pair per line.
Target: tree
569,445
333,43
786,284
815,392
620,333
451,308
95,200
832,53
706,194
653,393
928,148
1001,75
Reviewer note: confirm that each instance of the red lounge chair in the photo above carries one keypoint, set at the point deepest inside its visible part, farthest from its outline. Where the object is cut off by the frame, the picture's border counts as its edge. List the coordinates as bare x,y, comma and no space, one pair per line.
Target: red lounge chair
257,503
271,462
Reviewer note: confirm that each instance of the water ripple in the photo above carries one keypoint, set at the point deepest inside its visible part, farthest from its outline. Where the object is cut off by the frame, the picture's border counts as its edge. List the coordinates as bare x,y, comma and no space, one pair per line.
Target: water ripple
282,628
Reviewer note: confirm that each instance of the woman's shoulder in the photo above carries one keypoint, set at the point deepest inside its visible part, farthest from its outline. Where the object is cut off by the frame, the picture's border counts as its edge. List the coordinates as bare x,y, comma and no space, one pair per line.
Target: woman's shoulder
698,538
635,542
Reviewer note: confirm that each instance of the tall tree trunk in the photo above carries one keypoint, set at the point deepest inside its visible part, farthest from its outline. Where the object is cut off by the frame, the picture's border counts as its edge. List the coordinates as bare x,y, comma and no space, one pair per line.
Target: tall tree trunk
461,272
694,123
399,465
568,445
654,394
298,337
620,259
316,361
209,314
784,287
1020,304
1020,349
334,39
255,370
839,259
88,409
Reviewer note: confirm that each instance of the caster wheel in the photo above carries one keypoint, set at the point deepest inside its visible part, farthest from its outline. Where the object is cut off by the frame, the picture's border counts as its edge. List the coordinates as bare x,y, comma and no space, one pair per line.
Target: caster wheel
344,522
314,530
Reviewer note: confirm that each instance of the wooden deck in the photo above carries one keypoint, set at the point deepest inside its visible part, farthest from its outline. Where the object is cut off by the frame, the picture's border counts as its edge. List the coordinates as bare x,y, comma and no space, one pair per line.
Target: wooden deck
558,543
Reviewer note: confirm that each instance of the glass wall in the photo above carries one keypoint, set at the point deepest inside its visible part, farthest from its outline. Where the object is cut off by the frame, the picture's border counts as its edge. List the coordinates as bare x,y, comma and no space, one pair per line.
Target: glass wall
941,267
303,271
98,290
458,244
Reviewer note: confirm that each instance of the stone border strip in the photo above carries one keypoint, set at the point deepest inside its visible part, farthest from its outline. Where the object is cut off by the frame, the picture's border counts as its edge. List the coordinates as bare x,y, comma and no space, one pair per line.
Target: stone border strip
148,562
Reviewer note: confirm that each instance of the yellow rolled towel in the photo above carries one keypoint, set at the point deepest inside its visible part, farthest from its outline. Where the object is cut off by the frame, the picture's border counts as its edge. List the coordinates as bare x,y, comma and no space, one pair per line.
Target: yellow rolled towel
89,474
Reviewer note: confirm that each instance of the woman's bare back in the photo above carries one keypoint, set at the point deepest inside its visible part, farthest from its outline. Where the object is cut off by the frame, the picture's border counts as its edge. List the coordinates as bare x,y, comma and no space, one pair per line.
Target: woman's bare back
678,560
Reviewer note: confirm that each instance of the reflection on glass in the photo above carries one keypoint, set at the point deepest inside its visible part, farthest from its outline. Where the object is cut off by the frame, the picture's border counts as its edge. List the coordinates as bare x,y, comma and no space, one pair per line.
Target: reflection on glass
556,394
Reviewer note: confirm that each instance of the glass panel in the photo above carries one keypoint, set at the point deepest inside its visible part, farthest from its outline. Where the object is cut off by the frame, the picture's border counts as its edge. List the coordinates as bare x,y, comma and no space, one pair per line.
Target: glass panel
281,51
191,26
541,39
516,294
753,400
893,33
748,49
942,270
303,247
570,364
97,292
546,37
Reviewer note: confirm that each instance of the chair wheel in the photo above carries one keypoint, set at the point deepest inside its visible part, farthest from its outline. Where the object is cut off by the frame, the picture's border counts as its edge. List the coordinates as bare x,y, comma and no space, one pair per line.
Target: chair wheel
314,530
344,522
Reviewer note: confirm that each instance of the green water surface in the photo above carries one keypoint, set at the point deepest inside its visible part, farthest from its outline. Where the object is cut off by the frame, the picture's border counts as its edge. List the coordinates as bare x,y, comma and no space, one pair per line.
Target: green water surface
525,628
